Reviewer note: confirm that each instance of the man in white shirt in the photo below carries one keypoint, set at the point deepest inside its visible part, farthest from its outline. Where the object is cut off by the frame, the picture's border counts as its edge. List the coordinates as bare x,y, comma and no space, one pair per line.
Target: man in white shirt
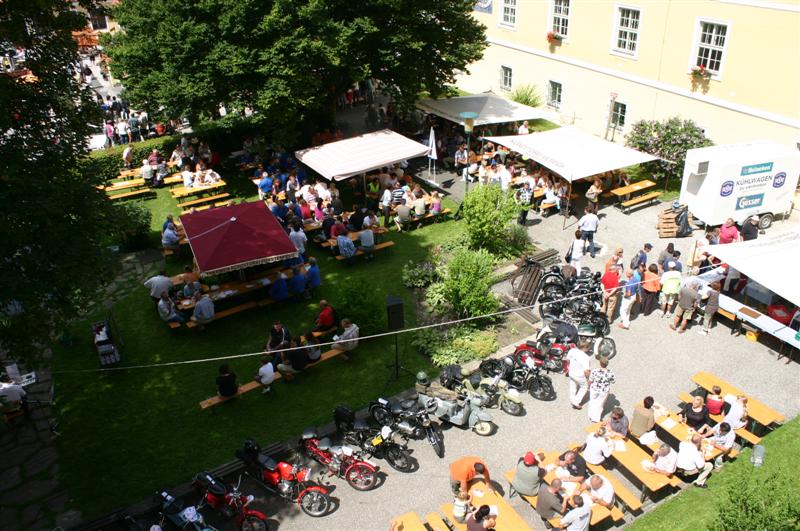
158,285
386,205
266,375
348,340
167,311
597,447
691,460
299,239
577,519
203,309
578,373
322,191
600,490
127,156
122,131
188,177
523,129
505,177
722,437
737,414
588,226
664,460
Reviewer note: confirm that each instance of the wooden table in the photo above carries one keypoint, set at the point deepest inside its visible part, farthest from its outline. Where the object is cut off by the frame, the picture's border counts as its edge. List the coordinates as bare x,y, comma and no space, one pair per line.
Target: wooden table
126,174
507,519
756,410
355,236
631,459
134,183
183,191
227,290
680,431
410,521
631,188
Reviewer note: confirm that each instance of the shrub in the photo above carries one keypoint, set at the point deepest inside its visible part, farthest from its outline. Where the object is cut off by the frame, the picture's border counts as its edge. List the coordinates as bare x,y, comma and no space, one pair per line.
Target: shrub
468,281
526,95
436,298
132,223
669,140
517,241
365,311
456,345
487,212
418,275
758,501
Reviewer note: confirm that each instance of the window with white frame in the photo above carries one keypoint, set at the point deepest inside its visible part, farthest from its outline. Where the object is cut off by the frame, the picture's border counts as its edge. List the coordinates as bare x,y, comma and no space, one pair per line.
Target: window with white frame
561,17
711,45
627,30
618,115
509,13
554,95
506,77
98,20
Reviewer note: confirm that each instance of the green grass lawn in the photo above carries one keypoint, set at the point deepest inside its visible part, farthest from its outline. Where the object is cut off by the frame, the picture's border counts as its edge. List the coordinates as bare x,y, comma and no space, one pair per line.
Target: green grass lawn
145,426
695,508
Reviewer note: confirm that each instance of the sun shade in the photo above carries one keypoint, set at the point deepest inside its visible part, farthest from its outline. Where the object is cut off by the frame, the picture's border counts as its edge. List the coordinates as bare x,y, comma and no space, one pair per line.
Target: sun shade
235,237
345,158
491,109
572,153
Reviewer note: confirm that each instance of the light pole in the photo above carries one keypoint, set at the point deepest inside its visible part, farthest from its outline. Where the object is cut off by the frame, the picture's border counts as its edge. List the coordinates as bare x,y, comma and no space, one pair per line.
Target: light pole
469,121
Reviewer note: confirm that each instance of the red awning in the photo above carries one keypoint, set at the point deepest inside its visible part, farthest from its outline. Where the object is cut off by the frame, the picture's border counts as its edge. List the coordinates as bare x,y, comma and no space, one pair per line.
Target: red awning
235,237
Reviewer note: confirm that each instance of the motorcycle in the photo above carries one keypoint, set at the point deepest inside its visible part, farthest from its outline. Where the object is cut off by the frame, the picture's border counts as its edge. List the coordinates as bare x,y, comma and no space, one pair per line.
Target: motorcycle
559,336
286,481
460,409
523,374
550,356
409,419
381,444
183,517
230,502
340,461
497,393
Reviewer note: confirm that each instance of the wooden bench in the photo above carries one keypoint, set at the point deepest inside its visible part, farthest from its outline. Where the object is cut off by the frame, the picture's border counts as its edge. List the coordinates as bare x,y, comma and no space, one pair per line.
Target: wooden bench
126,195
408,522
622,494
378,247
430,215
207,199
205,207
638,200
174,325
321,333
742,433
183,191
756,410
225,313
253,384
435,522
173,179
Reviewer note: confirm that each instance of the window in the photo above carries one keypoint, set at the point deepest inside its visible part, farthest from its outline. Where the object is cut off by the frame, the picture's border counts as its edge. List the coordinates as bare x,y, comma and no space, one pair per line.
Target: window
509,13
506,80
618,115
627,30
711,45
554,95
98,20
561,17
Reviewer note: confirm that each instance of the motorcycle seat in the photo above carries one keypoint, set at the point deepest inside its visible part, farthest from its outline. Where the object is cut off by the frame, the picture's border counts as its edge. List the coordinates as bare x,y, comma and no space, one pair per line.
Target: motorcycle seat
409,404
360,425
267,462
324,444
531,344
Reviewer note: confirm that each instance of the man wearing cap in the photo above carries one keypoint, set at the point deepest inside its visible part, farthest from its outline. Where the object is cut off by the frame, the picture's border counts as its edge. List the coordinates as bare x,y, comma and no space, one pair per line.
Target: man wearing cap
670,286
528,475
464,470
750,229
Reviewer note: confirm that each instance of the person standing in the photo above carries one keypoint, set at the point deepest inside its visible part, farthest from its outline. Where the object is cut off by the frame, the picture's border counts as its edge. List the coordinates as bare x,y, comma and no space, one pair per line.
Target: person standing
641,256
611,291
464,469
299,239
576,252
578,373
750,229
687,301
600,381
628,298
524,196
728,233
711,308
523,129
650,288
588,226
593,196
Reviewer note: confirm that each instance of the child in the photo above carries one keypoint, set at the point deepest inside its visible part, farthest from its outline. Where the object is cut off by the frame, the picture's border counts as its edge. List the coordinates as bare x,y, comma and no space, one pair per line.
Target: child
461,506
436,203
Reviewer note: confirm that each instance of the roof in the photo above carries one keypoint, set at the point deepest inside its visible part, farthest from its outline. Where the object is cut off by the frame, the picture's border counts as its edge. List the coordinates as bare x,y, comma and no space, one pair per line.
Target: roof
345,158
235,237
768,260
572,153
490,108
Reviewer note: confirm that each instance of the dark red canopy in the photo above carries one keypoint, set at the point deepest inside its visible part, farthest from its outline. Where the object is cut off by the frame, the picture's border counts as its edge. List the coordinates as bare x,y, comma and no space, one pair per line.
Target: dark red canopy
234,237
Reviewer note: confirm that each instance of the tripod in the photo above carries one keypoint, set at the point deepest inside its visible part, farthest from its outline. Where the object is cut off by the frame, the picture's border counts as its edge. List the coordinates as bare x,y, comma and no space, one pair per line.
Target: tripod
396,367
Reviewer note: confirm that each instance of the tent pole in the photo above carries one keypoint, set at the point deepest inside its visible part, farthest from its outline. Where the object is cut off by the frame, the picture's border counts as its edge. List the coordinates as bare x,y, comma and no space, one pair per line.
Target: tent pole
364,181
569,194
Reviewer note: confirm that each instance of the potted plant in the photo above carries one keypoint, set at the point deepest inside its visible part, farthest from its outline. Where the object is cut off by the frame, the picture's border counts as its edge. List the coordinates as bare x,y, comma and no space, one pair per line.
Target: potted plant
700,73
554,38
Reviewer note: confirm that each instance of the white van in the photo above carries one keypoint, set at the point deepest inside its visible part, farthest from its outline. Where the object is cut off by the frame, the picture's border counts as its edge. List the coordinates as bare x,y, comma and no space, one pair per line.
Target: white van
740,180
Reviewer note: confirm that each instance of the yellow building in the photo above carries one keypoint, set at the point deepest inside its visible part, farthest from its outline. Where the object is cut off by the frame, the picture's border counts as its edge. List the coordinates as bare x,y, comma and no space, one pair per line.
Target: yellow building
603,65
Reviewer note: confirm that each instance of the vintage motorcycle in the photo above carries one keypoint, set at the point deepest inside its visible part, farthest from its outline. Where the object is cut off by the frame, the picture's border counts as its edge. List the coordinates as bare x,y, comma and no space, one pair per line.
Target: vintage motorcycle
188,517
230,502
340,461
410,419
497,393
463,409
522,373
379,443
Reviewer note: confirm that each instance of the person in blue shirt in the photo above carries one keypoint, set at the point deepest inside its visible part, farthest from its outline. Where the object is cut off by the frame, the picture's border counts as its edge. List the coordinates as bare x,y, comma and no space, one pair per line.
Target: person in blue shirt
347,248
279,289
265,184
313,277
279,210
297,284
169,220
676,258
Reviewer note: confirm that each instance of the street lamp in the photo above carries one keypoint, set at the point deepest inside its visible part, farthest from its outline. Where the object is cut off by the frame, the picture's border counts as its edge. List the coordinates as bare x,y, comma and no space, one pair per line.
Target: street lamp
469,122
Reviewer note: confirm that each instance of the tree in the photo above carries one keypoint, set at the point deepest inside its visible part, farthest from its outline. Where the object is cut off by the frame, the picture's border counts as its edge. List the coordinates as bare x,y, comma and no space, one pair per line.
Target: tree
53,218
669,140
287,59
487,211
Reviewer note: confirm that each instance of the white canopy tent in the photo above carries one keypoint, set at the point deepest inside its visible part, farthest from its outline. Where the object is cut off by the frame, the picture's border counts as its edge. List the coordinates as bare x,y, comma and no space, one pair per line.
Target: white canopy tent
353,156
767,260
572,153
491,109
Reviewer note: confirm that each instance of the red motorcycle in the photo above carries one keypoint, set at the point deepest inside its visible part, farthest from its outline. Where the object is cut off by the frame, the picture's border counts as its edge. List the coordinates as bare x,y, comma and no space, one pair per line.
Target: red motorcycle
230,502
340,461
546,354
287,481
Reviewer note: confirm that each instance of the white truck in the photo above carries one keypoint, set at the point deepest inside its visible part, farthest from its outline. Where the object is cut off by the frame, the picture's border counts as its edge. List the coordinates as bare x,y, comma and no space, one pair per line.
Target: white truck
739,181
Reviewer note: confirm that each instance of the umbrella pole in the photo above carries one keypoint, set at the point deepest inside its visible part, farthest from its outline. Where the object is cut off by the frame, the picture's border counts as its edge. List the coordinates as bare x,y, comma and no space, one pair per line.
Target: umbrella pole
569,195
434,172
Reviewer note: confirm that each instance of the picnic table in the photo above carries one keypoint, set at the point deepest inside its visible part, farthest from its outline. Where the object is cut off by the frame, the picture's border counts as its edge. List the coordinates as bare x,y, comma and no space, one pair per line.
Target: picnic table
354,236
632,188
183,191
507,518
671,423
127,174
624,191
410,521
133,183
756,410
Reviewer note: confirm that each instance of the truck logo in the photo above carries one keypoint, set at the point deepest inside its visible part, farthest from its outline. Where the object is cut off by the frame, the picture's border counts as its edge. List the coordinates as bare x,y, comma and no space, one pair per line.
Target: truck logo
727,189
779,179
757,168
749,201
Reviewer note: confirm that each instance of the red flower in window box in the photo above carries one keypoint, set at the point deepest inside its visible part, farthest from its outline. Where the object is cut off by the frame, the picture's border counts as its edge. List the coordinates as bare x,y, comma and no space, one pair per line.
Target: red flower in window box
700,73
554,38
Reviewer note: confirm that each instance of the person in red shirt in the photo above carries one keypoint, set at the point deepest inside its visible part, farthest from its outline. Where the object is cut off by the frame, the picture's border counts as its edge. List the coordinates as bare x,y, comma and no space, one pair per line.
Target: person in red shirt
464,470
728,233
327,316
610,283
338,228
715,401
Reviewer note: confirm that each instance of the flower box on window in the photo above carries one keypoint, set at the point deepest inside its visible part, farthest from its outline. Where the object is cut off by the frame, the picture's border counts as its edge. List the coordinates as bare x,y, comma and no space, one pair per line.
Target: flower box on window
554,38
700,73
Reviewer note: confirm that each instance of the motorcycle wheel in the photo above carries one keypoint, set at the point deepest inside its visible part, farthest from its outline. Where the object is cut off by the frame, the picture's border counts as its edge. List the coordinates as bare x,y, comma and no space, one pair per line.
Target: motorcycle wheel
492,367
438,446
483,428
315,503
553,291
600,322
512,408
542,389
605,346
252,523
361,477
399,459
549,310
381,415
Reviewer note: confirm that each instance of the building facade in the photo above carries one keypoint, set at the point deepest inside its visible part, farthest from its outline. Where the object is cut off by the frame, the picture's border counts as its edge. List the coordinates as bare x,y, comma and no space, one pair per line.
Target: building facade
732,66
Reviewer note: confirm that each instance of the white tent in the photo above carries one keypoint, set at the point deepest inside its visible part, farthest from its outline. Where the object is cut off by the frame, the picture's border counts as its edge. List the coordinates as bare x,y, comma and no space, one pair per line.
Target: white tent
345,158
491,109
572,153
768,260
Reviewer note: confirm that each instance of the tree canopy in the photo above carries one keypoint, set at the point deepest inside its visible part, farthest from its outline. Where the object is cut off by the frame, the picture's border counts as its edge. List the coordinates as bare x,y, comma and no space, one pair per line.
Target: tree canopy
669,140
52,217
287,59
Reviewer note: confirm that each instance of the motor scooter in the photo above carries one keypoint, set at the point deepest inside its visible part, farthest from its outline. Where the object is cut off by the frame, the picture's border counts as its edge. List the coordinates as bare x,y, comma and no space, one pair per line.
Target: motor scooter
230,502
463,409
183,517
497,393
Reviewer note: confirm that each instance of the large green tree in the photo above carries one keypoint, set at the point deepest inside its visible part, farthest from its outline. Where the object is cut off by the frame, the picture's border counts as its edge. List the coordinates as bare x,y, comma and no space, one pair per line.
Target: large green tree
287,59
52,218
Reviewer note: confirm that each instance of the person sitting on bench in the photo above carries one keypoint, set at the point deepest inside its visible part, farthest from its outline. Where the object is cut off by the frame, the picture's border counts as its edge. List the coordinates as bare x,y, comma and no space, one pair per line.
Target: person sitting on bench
297,284
170,239
203,309
326,317
403,216
279,337
346,247
293,361
348,340
266,375
313,352
167,311
279,290
226,382
313,278
366,240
